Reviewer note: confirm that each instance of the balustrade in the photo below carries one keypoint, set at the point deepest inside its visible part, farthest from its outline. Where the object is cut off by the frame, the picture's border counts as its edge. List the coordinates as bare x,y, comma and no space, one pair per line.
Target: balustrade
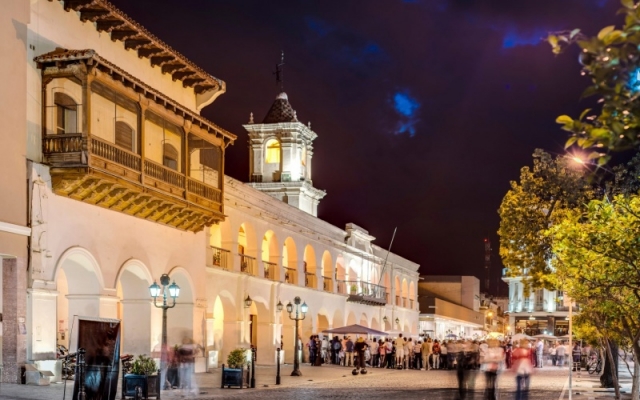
365,289
164,174
327,284
67,143
269,269
203,190
220,257
290,275
310,280
398,301
111,152
247,264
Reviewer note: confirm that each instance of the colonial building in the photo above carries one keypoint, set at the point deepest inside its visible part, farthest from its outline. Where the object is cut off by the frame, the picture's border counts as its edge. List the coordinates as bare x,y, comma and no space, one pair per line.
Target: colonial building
125,182
537,312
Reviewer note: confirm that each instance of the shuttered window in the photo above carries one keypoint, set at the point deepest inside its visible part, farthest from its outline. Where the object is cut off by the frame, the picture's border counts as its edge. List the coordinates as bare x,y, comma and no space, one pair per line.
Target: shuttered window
124,135
170,157
210,158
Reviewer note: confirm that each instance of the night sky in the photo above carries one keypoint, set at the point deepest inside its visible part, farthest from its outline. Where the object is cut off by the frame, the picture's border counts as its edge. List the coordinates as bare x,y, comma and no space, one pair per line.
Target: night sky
424,109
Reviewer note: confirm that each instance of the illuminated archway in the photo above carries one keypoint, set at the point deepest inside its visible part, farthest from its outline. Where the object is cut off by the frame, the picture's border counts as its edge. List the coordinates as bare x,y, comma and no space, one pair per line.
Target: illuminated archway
290,261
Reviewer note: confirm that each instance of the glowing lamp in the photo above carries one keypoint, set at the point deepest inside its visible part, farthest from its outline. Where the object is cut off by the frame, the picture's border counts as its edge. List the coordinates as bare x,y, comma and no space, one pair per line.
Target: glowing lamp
154,290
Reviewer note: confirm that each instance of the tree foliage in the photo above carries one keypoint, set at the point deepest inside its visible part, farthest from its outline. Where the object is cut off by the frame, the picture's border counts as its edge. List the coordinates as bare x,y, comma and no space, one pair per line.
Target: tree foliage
541,198
597,261
611,59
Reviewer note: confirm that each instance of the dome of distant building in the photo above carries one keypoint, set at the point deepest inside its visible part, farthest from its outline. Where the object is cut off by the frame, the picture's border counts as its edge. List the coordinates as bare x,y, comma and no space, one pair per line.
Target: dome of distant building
280,111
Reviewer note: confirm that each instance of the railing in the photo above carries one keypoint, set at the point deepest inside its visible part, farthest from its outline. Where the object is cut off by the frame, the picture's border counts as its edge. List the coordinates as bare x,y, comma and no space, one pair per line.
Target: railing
111,152
364,289
539,307
310,280
398,301
411,304
290,275
247,264
203,190
327,284
63,143
220,257
163,173
269,269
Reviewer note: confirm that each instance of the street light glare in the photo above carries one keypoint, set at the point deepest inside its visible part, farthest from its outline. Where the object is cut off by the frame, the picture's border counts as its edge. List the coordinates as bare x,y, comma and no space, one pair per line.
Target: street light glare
578,160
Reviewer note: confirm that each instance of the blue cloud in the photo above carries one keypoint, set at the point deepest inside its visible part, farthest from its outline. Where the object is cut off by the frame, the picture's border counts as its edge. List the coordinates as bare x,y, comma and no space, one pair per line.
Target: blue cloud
513,38
407,108
318,26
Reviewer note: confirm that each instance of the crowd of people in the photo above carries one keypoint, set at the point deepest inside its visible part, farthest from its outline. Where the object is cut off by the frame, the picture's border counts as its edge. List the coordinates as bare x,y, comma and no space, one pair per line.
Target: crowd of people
463,356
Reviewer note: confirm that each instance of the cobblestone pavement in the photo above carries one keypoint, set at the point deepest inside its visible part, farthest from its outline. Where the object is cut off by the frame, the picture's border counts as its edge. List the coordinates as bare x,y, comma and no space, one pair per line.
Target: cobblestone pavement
329,382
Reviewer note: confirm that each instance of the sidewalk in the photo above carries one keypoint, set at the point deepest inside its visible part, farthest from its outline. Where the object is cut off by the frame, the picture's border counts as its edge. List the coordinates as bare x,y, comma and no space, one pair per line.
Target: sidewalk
587,387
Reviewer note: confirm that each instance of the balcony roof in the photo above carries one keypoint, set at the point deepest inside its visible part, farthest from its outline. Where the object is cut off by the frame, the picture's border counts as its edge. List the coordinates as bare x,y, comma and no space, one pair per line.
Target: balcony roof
91,57
107,18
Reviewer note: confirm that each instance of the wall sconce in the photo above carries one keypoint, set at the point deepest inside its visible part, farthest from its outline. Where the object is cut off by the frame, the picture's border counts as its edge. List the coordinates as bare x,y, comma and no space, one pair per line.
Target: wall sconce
398,321
279,306
385,319
248,302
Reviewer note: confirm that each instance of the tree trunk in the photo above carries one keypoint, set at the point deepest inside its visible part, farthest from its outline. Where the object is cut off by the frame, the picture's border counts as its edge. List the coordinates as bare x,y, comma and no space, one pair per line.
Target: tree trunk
635,388
608,379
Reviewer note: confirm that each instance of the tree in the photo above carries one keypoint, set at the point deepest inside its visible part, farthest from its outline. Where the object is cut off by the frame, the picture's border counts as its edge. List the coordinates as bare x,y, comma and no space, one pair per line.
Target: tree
541,197
611,59
597,260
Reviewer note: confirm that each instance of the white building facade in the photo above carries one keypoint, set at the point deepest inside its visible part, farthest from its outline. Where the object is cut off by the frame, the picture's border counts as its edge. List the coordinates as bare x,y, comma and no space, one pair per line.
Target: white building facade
126,183
540,311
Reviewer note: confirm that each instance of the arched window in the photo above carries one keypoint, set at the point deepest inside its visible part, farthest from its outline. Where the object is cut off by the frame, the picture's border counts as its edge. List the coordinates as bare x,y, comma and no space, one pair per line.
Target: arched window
272,152
66,113
170,157
124,135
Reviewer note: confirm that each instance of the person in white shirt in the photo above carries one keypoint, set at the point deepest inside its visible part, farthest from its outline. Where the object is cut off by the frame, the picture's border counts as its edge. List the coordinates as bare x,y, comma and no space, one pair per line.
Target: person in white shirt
400,350
417,356
408,349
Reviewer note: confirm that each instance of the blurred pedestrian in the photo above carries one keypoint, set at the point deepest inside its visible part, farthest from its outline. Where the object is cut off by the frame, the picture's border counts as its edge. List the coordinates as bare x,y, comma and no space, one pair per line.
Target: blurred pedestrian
523,368
187,354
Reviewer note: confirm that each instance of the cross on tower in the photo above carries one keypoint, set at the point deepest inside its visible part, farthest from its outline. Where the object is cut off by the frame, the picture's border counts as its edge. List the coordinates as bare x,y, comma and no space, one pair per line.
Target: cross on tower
280,72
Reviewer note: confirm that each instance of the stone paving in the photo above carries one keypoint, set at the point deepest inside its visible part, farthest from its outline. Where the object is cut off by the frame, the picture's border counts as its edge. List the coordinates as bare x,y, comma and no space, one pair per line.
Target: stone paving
331,382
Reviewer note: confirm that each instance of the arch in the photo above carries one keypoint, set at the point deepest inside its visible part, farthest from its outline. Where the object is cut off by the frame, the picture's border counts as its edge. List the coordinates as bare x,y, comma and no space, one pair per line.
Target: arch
352,273
340,274
309,265
85,260
290,261
134,308
322,321
66,113
270,255
327,271
180,321
351,319
375,324
338,318
79,283
405,293
412,291
170,156
386,282
272,150
364,321
398,290
247,248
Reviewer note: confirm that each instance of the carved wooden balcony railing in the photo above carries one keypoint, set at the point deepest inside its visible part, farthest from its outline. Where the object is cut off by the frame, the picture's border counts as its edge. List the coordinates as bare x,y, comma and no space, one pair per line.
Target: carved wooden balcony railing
220,257
269,269
310,280
93,170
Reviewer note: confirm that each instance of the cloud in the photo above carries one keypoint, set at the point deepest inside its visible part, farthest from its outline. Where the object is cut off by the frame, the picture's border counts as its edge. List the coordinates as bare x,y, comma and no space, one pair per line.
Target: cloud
514,38
406,107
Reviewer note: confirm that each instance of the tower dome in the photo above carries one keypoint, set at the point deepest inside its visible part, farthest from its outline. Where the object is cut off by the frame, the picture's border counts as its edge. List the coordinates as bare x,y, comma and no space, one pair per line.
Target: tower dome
280,111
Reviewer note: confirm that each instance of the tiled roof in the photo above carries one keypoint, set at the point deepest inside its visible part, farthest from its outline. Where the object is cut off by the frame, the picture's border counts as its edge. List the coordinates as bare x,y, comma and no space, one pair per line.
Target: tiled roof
60,54
280,111
107,18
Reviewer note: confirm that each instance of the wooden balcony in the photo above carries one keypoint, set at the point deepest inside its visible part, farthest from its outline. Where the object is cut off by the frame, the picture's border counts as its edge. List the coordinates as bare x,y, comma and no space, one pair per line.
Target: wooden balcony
364,292
270,269
220,257
94,171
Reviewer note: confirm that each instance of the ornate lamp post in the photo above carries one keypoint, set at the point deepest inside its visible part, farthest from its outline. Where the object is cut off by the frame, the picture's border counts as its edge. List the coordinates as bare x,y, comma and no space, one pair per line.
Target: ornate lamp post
174,291
299,309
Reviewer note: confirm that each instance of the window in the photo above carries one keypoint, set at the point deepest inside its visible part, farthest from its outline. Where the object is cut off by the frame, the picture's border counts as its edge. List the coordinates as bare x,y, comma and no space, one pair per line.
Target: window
66,114
124,136
170,157
272,152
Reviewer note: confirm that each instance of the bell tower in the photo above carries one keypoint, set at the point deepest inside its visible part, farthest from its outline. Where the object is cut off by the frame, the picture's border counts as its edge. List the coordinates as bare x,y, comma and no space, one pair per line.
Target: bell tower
280,154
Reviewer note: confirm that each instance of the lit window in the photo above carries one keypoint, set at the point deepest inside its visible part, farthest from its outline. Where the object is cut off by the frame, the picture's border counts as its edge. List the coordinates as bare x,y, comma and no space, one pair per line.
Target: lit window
170,158
273,152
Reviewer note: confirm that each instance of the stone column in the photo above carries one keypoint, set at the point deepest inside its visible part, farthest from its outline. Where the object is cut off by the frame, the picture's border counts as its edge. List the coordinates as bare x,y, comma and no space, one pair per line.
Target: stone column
14,316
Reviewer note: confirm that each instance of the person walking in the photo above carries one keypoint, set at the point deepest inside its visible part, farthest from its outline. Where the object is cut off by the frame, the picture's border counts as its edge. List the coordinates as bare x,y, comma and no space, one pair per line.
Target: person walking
552,353
539,353
375,354
560,353
508,353
400,352
444,355
312,349
360,348
417,355
349,352
427,349
382,352
436,354
336,346
577,352
389,353
523,368
492,358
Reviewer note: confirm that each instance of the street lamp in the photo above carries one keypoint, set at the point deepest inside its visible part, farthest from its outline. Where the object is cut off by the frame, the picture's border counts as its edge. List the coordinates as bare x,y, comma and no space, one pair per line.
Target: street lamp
174,291
299,309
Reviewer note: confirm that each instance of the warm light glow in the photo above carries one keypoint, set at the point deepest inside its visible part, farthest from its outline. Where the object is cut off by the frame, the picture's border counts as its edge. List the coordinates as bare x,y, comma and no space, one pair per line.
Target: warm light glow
578,160
272,152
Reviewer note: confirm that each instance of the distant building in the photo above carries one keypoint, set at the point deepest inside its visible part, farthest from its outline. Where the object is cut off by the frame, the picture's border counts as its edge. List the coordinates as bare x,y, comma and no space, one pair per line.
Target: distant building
450,307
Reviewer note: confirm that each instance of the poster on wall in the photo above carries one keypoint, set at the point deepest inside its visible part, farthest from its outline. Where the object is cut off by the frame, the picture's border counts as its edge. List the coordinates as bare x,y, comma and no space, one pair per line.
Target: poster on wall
100,337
